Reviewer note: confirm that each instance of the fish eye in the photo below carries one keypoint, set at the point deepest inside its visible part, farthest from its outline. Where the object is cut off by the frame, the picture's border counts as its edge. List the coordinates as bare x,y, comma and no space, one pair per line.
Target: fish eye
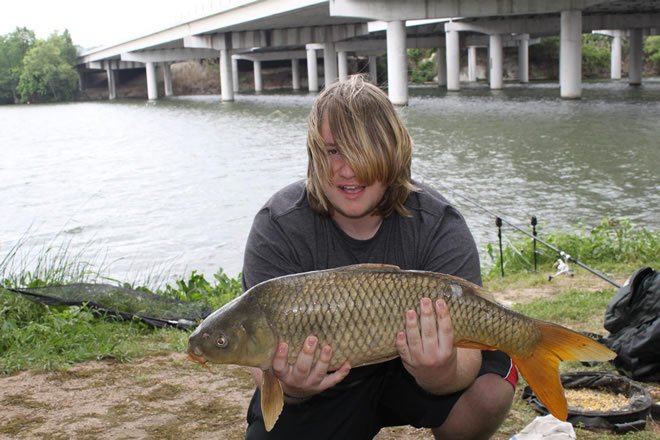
222,342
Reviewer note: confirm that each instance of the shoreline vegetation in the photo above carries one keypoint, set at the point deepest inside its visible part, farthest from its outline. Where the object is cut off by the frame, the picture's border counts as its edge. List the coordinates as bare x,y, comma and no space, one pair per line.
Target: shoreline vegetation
64,342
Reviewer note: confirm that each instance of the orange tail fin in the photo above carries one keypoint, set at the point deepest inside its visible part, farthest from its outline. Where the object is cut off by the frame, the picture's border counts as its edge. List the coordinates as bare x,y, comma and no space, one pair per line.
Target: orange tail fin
541,369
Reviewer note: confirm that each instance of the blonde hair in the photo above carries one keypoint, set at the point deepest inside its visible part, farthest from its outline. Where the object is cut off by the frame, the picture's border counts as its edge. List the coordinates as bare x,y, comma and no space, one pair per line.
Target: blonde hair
369,136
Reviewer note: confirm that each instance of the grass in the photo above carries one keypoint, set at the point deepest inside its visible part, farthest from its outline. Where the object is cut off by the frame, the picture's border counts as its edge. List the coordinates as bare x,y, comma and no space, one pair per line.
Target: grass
40,337
614,246
578,309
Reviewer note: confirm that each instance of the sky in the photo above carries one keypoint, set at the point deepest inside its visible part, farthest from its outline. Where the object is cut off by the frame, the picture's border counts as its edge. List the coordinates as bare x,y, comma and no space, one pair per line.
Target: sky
92,23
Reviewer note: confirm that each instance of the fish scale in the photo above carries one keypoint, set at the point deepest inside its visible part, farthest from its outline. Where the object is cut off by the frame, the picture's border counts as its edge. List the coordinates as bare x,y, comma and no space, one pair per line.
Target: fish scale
359,316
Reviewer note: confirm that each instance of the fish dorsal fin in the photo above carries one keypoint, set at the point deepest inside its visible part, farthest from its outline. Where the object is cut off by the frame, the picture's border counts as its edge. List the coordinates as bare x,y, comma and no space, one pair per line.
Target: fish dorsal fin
485,294
460,285
373,266
272,399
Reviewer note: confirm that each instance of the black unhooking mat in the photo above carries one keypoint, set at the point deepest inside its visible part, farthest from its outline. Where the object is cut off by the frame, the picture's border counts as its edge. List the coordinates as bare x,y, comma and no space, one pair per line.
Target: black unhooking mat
155,310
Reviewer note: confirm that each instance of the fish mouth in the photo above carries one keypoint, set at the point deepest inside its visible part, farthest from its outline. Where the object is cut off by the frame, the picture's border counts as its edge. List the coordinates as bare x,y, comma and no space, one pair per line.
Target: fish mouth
198,359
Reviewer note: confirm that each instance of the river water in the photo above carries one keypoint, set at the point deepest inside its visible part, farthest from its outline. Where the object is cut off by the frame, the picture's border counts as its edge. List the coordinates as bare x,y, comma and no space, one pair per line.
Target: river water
154,190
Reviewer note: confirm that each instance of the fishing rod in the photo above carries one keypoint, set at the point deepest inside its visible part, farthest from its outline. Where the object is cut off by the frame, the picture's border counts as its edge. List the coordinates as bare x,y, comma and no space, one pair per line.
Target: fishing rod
562,254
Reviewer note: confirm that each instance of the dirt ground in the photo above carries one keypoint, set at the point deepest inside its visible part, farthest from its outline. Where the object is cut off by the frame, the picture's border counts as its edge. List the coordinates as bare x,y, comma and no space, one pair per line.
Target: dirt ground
163,396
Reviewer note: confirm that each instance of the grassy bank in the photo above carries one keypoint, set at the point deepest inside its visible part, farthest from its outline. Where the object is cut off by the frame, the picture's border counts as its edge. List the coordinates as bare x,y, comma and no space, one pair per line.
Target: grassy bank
39,338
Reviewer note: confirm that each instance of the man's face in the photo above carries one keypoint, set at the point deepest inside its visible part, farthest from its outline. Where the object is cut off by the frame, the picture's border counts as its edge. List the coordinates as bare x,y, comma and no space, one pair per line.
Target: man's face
348,196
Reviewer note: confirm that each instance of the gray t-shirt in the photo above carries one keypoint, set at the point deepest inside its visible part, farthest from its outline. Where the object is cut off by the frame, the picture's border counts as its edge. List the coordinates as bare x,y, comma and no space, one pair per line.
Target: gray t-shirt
288,237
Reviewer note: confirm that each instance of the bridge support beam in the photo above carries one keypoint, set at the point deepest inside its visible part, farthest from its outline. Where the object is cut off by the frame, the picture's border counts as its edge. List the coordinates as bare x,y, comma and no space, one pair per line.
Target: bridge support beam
615,56
167,79
635,69
342,64
373,69
453,61
472,63
523,58
312,71
329,64
442,66
226,81
570,54
234,75
112,82
496,62
295,74
397,62
258,79
152,81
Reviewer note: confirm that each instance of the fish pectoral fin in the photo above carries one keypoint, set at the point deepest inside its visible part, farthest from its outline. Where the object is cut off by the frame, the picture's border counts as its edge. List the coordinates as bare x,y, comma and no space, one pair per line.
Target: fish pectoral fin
272,399
472,344
541,369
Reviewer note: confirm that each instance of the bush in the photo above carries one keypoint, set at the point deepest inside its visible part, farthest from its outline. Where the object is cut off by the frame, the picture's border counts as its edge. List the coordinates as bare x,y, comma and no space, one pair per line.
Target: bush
595,55
424,72
652,51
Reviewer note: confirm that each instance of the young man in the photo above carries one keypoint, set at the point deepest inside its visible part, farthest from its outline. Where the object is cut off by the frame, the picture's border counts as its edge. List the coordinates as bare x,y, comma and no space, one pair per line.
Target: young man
359,205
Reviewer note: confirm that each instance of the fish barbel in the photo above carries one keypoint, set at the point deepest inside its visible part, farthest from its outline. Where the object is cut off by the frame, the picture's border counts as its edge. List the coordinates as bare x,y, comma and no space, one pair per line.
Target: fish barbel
358,311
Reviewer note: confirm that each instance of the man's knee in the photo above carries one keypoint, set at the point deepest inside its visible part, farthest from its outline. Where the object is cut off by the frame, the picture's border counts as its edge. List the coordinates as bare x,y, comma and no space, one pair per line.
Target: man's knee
492,395
480,411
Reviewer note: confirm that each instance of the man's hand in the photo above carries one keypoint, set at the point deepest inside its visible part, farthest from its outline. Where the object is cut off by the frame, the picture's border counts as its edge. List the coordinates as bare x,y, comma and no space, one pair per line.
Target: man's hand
305,377
428,353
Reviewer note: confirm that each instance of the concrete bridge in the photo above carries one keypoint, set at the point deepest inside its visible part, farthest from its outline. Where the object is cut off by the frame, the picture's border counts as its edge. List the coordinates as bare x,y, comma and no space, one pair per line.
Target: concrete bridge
309,30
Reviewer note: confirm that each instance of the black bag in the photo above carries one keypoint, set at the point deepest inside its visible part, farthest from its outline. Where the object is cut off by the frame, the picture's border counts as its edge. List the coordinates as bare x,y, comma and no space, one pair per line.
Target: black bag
633,320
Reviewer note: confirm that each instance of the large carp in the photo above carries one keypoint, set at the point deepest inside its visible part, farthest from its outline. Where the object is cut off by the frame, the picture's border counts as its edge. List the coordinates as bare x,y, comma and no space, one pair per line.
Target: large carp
359,309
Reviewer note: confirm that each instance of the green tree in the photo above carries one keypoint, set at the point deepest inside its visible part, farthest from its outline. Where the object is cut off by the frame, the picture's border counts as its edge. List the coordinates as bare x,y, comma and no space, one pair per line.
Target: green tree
595,55
652,50
13,47
48,73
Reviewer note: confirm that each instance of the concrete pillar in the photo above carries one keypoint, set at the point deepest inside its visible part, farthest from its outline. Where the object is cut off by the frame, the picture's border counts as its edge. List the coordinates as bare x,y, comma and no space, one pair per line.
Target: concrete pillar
295,74
615,58
152,81
226,81
453,61
342,64
112,82
234,74
472,63
635,68
312,71
167,79
373,69
570,54
329,64
442,67
397,62
258,83
523,58
495,56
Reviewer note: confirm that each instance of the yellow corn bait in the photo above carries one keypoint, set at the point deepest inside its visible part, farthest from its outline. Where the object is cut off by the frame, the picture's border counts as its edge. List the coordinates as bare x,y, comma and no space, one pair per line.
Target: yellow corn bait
588,399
